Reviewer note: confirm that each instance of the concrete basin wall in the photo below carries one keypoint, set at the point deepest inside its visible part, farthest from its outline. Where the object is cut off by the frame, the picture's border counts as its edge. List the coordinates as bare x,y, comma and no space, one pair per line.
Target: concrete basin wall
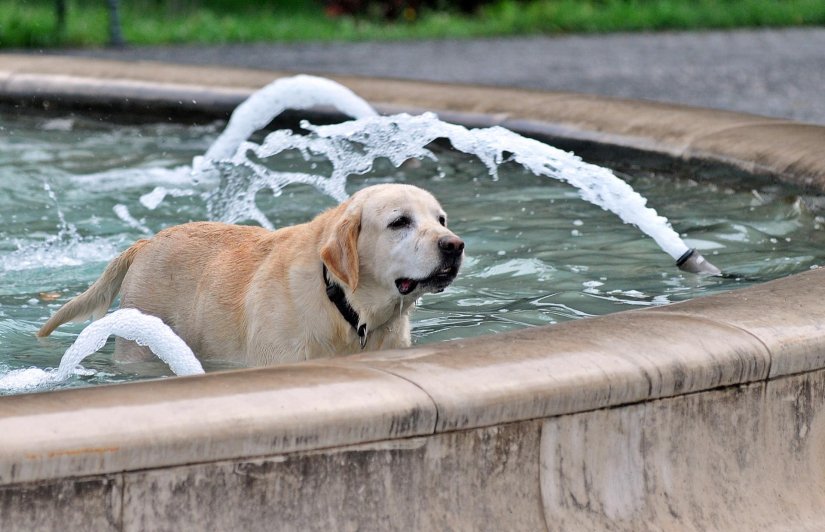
702,415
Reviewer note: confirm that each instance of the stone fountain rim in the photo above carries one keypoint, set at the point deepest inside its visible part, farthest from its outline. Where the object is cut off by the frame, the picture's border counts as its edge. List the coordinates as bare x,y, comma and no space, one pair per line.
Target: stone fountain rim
769,331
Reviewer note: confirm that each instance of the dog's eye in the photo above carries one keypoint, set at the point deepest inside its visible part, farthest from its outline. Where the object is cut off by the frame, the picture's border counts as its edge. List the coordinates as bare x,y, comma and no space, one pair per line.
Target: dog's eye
400,223
442,220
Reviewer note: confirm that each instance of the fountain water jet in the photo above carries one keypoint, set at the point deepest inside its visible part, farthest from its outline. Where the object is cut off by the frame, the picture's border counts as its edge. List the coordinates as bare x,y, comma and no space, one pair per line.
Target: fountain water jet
352,147
131,324
127,323
297,92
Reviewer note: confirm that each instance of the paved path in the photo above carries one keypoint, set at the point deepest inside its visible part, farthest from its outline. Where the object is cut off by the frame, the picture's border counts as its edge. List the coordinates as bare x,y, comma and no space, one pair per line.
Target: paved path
778,73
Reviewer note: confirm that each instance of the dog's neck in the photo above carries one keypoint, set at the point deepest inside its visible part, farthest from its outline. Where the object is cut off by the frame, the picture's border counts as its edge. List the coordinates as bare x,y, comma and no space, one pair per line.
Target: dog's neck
336,294
365,314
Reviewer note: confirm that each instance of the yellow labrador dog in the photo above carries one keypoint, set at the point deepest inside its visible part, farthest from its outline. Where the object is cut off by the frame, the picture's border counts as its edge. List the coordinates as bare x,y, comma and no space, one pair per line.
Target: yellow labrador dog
343,282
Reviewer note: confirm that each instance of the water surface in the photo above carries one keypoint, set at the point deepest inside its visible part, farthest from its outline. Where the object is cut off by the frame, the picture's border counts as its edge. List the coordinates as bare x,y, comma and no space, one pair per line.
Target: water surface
74,192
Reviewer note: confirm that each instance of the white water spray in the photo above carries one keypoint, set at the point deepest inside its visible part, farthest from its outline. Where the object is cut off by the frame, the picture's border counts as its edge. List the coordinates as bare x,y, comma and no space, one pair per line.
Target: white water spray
257,111
128,323
352,147
131,324
66,248
401,137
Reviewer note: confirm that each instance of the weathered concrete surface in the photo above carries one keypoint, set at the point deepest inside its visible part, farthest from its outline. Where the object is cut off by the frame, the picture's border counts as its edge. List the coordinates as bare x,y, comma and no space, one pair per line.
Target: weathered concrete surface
486,479
788,317
743,458
91,503
177,421
582,365
787,150
748,457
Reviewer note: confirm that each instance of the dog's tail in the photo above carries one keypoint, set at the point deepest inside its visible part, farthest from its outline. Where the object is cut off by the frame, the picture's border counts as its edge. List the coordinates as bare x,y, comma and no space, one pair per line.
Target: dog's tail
95,301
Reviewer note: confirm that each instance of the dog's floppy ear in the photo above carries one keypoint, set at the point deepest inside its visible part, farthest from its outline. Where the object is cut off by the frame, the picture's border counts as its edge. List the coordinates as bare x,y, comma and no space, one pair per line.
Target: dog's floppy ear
340,252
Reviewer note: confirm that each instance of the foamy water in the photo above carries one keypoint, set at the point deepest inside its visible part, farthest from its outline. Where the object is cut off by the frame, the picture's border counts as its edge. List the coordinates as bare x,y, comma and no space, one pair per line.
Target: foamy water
298,92
65,248
35,379
130,324
57,252
401,137
353,147
119,179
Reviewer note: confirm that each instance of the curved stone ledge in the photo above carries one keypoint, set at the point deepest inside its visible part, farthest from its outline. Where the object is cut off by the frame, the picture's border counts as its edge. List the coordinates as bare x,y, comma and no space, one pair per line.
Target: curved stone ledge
787,316
576,366
200,419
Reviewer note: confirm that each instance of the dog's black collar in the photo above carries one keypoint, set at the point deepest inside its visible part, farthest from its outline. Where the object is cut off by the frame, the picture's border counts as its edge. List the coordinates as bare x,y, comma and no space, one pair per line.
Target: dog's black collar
336,294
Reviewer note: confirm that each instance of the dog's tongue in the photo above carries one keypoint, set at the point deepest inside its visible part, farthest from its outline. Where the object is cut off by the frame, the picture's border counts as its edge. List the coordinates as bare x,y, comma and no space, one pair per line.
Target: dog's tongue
405,286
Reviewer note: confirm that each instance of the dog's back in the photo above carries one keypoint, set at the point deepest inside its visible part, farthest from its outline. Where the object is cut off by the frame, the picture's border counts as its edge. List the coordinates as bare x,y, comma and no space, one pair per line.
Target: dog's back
195,278
192,276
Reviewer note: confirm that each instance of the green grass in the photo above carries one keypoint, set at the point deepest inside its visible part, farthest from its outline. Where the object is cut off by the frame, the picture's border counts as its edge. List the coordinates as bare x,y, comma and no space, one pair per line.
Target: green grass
32,24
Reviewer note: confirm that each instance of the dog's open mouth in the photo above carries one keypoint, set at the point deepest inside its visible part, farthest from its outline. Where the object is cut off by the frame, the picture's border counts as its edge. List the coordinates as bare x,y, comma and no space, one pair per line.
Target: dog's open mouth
435,282
405,285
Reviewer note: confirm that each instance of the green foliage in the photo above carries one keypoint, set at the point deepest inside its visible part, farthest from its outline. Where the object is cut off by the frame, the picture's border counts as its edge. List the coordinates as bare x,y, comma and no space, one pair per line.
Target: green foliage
32,23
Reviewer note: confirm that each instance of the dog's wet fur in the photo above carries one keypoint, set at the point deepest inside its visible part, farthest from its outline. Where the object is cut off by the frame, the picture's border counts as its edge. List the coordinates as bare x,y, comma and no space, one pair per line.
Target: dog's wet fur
259,297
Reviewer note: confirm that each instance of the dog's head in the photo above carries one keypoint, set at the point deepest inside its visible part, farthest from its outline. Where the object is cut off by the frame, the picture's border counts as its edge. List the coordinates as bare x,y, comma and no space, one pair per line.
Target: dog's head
396,236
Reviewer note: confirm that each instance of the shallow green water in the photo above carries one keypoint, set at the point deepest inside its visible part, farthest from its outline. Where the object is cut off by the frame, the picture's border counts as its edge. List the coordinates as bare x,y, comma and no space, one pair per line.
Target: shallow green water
70,200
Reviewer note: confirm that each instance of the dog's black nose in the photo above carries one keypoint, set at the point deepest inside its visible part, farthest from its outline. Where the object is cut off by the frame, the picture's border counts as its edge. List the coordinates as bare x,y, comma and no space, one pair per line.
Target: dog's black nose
451,245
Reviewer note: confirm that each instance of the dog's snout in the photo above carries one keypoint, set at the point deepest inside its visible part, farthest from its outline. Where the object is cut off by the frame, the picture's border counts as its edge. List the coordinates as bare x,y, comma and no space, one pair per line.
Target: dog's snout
451,245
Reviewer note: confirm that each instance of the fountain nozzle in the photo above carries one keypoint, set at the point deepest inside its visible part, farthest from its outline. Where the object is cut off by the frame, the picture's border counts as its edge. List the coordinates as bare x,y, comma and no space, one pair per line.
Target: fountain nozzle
693,262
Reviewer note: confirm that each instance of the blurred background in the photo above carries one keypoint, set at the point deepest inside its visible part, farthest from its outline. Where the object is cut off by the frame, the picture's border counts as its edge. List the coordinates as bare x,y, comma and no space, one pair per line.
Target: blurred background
97,23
